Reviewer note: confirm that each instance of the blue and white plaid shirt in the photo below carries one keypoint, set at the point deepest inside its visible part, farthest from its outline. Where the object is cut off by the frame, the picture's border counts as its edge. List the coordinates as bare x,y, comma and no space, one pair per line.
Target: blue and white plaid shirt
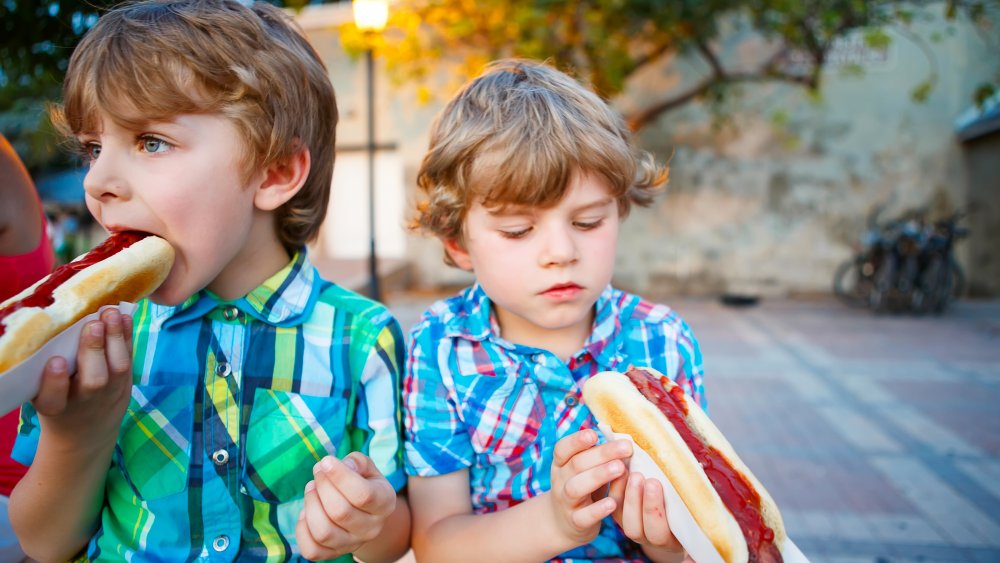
474,400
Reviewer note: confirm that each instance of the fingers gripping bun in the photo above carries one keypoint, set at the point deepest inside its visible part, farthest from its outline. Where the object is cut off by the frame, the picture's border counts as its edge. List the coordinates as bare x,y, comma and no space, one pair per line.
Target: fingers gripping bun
729,504
126,267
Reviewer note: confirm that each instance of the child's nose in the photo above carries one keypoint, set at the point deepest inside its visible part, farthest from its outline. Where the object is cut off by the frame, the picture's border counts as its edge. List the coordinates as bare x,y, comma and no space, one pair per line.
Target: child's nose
560,248
102,182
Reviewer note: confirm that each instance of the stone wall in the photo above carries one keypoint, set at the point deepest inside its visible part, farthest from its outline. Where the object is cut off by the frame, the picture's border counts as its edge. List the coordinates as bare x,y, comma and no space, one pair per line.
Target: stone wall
775,201
772,202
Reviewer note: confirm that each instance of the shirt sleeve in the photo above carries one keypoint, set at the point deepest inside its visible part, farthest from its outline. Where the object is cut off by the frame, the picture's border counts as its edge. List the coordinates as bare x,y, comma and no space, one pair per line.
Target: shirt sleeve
437,441
690,370
26,442
377,423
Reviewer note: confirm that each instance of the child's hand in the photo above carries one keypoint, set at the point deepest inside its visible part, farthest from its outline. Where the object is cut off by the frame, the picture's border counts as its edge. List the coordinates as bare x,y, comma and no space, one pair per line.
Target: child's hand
92,402
345,507
580,471
642,515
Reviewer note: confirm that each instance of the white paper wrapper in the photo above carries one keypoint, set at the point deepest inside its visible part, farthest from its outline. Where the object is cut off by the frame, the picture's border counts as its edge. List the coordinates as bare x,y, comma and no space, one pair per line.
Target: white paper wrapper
20,383
682,523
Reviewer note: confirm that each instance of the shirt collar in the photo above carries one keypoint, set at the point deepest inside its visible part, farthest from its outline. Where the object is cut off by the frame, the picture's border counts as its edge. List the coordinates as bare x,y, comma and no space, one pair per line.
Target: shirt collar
474,319
605,340
284,299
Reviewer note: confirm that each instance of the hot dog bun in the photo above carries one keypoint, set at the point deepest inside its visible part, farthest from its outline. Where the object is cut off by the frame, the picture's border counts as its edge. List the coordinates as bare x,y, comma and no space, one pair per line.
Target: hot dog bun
616,400
126,267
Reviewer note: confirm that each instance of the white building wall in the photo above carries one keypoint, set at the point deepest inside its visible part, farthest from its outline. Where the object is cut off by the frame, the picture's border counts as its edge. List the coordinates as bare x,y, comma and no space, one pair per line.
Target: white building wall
772,206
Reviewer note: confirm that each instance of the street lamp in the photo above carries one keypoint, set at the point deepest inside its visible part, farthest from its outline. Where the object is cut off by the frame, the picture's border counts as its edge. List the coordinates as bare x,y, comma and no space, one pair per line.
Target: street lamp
370,17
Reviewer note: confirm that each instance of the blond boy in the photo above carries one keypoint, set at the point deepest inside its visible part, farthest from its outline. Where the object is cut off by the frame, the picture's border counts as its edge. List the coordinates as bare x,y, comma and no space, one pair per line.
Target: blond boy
249,412
527,179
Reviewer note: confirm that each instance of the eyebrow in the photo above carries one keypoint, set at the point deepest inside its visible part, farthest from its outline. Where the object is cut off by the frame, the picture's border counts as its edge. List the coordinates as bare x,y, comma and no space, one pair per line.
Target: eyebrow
507,210
604,202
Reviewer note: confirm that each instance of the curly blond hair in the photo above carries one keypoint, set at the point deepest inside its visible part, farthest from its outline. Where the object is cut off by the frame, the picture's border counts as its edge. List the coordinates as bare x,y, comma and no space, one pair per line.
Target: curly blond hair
514,136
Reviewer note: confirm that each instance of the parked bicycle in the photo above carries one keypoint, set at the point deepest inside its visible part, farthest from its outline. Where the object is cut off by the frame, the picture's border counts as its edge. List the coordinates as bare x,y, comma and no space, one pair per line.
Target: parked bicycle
907,264
941,278
854,280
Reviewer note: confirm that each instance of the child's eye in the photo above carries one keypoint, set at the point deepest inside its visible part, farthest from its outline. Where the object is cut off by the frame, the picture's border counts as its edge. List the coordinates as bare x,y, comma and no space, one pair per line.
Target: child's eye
520,233
588,225
91,151
154,145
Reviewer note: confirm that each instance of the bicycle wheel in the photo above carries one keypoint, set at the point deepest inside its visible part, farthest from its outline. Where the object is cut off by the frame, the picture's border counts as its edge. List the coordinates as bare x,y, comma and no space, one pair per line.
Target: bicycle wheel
951,284
935,284
850,284
882,284
957,279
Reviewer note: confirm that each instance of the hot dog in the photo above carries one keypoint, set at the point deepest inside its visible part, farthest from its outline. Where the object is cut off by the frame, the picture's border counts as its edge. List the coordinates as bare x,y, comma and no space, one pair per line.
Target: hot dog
125,267
728,503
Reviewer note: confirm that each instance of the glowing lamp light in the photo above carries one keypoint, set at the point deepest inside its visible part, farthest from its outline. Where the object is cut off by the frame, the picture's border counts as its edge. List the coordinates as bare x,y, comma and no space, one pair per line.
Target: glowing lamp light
370,15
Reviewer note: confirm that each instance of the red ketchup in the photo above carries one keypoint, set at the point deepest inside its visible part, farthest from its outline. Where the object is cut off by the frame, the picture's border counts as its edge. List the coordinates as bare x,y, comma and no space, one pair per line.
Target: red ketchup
737,494
42,295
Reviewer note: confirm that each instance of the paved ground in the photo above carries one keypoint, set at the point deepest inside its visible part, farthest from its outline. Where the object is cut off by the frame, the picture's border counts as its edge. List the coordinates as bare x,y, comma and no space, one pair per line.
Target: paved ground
879,437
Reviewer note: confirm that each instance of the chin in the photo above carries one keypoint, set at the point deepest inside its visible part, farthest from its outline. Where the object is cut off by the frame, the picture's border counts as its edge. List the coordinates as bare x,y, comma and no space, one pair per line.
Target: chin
168,294
165,299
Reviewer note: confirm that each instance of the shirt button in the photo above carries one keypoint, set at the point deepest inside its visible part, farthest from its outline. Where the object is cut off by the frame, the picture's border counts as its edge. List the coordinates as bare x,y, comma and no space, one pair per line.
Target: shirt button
220,457
571,400
222,369
230,313
220,543
539,358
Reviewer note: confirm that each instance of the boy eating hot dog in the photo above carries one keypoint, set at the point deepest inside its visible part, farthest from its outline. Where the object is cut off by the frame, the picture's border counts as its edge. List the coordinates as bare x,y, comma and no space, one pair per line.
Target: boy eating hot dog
252,412
527,179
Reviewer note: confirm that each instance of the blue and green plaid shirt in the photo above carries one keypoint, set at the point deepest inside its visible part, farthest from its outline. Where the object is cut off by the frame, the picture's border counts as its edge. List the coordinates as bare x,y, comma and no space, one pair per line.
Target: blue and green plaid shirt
233,403
476,401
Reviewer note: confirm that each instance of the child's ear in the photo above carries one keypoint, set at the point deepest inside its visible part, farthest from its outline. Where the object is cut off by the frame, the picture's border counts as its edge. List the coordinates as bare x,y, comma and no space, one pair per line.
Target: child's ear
458,254
282,180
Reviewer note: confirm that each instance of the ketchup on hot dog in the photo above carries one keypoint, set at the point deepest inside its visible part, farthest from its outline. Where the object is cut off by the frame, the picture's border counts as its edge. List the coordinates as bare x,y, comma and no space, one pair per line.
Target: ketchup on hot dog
42,295
737,494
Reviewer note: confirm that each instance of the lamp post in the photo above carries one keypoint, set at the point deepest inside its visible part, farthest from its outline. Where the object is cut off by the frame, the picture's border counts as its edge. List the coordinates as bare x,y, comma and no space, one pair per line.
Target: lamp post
370,17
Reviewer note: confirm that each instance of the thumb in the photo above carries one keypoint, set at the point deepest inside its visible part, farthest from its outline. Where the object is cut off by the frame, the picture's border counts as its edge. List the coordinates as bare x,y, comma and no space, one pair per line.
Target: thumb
53,391
361,464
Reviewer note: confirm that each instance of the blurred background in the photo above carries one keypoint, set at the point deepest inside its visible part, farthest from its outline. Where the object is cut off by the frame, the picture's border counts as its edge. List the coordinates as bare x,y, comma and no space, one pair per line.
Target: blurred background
787,125
831,228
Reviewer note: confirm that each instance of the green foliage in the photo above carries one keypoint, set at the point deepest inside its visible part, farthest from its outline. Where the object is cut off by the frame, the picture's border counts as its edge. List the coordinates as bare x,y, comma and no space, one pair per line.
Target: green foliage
603,42
922,90
983,93
36,40
877,38
606,42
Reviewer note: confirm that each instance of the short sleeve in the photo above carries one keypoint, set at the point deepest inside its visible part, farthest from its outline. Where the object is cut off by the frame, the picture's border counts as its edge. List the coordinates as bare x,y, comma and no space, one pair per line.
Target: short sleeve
26,442
690,369
437,441
377,424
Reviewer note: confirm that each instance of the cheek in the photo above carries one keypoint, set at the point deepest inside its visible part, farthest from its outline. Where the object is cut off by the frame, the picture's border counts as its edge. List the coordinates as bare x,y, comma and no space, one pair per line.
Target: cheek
498,255
94,208
603,248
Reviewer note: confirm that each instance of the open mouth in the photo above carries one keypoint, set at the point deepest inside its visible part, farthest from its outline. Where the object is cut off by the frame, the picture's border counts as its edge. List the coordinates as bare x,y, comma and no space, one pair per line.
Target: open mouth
122,230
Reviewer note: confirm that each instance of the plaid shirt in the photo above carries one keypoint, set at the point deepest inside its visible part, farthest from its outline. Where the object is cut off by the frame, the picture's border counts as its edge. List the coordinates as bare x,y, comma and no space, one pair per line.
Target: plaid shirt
232,405
474,400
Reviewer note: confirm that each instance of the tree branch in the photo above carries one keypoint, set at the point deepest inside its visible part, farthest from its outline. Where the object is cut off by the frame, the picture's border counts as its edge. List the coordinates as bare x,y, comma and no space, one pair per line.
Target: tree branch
768,72
713,61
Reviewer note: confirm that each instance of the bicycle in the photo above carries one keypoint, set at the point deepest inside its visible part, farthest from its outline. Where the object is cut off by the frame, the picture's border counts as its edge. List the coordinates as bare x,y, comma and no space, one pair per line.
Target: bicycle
854,279
907,264
897,286
942,279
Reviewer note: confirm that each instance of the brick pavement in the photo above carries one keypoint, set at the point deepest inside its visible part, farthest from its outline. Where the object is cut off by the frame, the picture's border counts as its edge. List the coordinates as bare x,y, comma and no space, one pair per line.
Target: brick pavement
878,437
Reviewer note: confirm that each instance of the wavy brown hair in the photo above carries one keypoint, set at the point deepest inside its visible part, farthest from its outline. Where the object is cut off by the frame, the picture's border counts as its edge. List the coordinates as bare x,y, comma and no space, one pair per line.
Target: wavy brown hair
155,59
514,136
